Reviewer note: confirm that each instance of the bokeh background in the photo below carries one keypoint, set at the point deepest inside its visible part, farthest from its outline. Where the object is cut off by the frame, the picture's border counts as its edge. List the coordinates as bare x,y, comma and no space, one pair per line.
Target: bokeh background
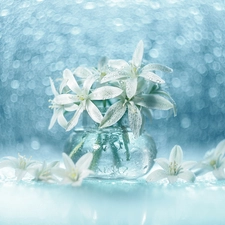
40,38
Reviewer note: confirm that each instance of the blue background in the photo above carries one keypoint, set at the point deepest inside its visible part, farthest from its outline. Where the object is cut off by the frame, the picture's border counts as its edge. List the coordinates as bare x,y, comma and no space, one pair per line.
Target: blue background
39,39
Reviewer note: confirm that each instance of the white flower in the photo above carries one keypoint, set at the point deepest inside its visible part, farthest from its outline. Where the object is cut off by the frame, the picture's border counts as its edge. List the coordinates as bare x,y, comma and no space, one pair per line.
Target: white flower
59,109
173,168
74,173
83,97
43,171
132,71
154,100
214,161
21,165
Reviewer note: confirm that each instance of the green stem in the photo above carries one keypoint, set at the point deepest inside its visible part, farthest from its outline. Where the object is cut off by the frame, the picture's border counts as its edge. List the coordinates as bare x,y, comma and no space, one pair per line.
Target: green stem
97,153
77,147
114,149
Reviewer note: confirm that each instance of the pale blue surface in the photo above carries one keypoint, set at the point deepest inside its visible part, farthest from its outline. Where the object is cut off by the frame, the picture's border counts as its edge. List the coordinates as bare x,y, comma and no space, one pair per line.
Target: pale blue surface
113,203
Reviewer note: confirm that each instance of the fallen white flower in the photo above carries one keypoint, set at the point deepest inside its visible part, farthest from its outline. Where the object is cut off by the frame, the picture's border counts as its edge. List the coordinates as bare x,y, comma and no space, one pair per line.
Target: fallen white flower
74,173
173,168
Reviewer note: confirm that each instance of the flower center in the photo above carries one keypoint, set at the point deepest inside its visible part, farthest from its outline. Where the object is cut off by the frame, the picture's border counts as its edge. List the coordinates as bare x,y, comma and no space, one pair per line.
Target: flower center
174,168
213,163
73,175
22,163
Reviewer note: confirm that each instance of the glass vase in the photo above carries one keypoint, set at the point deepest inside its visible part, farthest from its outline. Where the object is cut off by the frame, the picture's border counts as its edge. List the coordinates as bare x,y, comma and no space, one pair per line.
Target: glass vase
117,153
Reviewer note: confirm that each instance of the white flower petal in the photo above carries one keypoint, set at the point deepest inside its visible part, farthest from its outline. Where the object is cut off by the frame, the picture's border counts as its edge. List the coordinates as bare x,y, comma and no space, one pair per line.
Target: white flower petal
131,87
85,161
115,75
118,64
64,99
59,172
172,178
188,165
93,111
138,54
156,175
113,114
164,163
88,83
220,148
152,77
105,92
82,72
153,101
71,81
154,66
135,119
219,173
71,107
176,155
187,175
53,87
85,173
73,122
19,173
68,162
61,119
54,118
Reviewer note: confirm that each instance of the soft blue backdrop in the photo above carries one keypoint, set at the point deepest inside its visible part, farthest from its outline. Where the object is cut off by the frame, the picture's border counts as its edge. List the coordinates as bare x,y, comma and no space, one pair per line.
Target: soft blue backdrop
40,38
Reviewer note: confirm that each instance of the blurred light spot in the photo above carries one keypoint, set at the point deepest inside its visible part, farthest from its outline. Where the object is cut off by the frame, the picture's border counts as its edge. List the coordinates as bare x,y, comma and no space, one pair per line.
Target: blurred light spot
208,58
15,84
89,5
219,78
180,40
176,82
35,145
31,84
154,53
213,92
16,64
197,36
13,98
75,31
185,122
217,51
4,12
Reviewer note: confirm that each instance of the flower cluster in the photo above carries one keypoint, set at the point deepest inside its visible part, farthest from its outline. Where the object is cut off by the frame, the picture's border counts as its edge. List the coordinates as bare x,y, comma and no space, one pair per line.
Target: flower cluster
68,173
119,87
174,169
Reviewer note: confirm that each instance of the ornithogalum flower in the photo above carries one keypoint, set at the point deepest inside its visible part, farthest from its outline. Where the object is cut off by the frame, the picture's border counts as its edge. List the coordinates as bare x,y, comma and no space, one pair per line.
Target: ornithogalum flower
173,168
83,97
214,161
139,103
60,109
21,165
43,171
130,72
74,173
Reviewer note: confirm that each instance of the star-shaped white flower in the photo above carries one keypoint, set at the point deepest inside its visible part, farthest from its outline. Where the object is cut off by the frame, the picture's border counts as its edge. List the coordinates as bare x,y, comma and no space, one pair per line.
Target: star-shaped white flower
132,71
173,168
21,165
153,100
74,173
83,97
43,171
60,109
214,161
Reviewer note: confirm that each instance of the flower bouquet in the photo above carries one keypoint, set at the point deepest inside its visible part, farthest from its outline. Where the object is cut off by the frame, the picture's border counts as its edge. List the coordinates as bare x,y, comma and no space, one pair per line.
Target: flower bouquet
107,108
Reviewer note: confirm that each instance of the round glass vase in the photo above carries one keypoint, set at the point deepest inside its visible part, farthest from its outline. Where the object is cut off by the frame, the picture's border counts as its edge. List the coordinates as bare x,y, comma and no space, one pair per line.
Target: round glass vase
117,154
